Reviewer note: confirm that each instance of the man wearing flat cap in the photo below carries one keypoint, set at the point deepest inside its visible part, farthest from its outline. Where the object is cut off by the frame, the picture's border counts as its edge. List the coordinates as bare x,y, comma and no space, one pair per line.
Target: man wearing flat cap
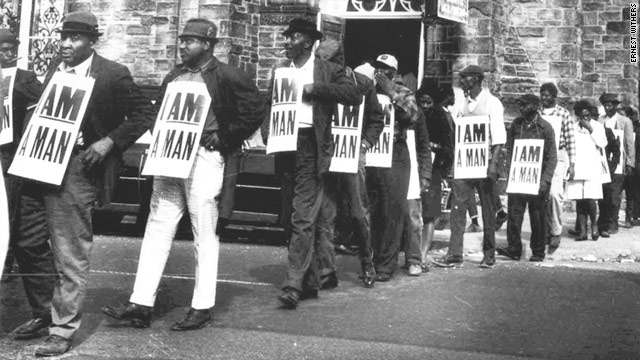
325,85
530,126
622,125
477,102
236,111
92,170
29,240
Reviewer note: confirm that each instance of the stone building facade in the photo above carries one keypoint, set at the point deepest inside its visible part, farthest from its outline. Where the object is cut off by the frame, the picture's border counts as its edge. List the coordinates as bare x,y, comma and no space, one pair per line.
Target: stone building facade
581,45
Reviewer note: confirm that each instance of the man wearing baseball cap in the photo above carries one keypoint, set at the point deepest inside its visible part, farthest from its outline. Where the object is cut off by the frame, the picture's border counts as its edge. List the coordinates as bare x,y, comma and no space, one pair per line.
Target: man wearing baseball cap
29,234
612,196
92,170
530,126
236,111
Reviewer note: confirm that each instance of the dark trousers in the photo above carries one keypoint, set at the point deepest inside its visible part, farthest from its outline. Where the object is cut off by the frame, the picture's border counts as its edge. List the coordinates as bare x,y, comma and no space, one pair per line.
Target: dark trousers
387,188
351,190
308,193
463,189
631,190
29,241
610,203
586,209
517,205
69,208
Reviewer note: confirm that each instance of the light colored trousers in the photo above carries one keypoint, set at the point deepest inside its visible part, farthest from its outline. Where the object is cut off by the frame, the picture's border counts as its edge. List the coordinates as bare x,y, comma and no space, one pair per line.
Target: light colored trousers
556,198
170,199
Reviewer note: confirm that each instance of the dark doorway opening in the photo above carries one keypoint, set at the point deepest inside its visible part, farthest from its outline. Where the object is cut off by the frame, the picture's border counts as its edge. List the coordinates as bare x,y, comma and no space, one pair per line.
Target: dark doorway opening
365,39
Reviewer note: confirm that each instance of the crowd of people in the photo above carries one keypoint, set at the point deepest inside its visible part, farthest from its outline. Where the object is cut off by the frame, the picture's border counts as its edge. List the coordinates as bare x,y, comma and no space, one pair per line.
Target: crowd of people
51,226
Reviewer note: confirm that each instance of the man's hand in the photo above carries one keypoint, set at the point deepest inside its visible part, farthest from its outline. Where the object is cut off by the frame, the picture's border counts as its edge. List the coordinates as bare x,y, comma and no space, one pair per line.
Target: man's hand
544,190
492,171
571,171
96,153
384,84
307,91
585,124
628,169
425,184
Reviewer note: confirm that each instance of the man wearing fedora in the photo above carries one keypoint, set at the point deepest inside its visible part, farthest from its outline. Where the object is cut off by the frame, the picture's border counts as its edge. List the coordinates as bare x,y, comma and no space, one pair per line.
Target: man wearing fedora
325,85
236,112
612,194
29,235
92,170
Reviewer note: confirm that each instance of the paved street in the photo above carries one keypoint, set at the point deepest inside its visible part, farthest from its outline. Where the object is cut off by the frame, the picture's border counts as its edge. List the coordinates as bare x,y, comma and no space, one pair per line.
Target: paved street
565,309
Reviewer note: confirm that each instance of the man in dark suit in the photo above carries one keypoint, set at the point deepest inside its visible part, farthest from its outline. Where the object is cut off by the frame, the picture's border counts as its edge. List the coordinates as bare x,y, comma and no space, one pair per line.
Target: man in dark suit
29,239
92,169
325,84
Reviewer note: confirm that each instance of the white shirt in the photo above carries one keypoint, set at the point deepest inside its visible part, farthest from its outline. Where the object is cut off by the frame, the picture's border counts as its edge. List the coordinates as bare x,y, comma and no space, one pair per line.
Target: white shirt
305,113
82,69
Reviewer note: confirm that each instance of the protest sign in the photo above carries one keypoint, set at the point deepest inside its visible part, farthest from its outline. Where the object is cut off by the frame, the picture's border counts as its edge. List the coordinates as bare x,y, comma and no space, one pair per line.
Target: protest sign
6,126
45,148
414,175
176,134
526,167
286,102
605,175
472,147
619,134
584,168
346,129
4,224
381,153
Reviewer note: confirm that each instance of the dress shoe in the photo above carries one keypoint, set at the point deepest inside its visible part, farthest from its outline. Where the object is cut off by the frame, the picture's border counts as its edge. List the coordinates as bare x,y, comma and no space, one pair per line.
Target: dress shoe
448,261
595,235
628,224
32,329
582,238
138,316
289,298
605,234
573,232
613,231
487,262
383,277
368,276
501,218
473,228
508,252
54,346
329,281
195,319
536,258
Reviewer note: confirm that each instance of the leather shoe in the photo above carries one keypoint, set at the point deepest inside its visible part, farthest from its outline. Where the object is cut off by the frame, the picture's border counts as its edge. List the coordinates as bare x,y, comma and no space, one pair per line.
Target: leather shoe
289,298
195,319
329,281
138,316
536,258
605,234
54,345
32,329
501,218
487,262
383,277
448,261
368,276
508,252
573,232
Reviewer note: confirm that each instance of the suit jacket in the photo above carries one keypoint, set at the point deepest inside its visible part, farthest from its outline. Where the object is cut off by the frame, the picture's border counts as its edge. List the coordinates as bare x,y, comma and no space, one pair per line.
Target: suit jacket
373,116
114,99
625,124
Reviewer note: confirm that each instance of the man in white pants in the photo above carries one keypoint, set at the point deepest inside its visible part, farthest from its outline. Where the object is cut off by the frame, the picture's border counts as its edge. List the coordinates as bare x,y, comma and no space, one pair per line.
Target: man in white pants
236,111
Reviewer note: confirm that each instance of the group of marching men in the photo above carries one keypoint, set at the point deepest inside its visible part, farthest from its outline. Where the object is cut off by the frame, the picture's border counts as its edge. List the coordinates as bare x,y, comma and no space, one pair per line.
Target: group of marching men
50,220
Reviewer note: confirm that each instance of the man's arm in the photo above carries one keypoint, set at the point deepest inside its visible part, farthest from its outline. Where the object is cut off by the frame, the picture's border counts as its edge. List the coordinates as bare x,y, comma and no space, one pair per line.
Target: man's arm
550,160
340,89
373,115
248,105
629,147
423,151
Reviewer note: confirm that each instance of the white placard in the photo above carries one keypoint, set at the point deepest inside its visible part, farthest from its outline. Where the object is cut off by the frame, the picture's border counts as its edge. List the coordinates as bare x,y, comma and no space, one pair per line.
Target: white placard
526,167
178,129
4,224
414,174
381,153
45,148
471,158
6,125
584,168
286,100
619,134
346,130
605,175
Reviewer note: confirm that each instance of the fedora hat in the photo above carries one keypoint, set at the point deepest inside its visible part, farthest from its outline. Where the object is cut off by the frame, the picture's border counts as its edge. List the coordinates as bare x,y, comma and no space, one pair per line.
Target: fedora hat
82,22
303,26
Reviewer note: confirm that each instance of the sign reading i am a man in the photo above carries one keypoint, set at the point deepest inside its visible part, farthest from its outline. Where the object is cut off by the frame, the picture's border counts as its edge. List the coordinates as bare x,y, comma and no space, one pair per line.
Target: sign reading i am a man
286,99
177,131
381,153
346,129
471,158
526,167
45,148
6,125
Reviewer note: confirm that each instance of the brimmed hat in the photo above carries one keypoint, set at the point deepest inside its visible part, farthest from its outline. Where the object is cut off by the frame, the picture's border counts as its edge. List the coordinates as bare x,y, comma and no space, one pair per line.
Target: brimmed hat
303,26
528,99
472,70
386,60
608,97
7,36
200,28
82,22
